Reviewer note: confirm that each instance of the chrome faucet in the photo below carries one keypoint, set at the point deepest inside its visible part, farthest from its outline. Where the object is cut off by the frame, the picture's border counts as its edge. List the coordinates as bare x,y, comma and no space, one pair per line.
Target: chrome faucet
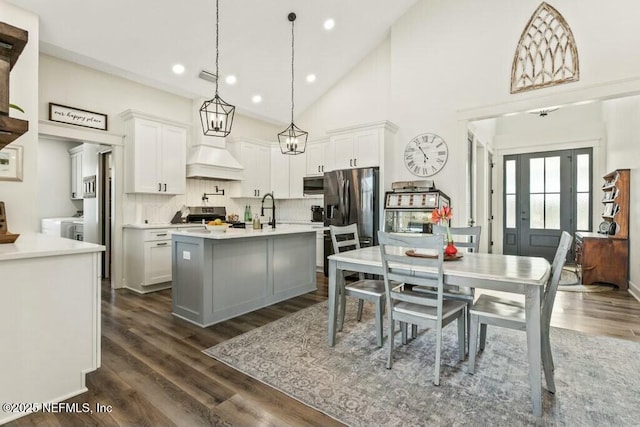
272,223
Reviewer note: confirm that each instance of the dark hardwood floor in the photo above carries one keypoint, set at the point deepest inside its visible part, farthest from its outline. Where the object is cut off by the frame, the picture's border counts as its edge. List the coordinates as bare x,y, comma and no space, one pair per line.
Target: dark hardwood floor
154,372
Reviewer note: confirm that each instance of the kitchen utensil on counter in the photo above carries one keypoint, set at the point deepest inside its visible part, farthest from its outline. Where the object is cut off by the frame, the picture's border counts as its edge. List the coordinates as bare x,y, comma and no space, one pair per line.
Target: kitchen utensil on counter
317,213
5,236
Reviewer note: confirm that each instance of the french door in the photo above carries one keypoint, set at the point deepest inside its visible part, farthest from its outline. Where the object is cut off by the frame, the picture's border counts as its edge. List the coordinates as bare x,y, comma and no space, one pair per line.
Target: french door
545,194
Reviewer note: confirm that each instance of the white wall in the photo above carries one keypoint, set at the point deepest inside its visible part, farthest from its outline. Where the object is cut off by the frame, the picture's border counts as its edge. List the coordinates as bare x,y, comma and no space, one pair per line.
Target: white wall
54,179
20,197
623,152
360,97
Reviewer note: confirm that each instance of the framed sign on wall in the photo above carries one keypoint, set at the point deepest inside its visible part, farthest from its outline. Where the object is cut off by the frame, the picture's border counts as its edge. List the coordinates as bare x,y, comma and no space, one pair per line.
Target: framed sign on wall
11,163
76,116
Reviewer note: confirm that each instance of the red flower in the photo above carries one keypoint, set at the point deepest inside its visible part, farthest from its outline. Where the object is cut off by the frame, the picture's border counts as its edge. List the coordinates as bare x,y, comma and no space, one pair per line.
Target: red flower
443,214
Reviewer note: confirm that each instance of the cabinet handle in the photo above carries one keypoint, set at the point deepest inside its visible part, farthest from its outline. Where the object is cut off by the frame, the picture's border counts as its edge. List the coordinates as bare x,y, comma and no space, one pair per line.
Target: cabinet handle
165,188
162,234
322,168
159,186
162,244
73,195
355,162
350,162
318,168
258,193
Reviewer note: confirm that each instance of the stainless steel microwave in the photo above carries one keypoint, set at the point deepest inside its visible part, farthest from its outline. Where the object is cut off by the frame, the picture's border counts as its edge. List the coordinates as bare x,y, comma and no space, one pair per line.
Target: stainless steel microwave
313,185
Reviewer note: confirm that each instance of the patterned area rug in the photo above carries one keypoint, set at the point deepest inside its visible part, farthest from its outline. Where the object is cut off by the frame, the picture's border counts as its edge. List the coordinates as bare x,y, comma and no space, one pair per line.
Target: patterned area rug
597,378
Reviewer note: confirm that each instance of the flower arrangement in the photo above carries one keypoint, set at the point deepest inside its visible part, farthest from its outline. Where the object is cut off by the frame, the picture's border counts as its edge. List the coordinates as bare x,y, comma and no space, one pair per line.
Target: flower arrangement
443,216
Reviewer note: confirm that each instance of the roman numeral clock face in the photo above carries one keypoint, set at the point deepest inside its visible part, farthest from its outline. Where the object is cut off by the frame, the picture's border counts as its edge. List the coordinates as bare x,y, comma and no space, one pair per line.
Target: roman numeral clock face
426,154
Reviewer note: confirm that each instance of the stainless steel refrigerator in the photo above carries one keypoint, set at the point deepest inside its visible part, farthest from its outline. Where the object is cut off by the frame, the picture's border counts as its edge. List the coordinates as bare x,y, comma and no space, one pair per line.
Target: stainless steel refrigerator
351,197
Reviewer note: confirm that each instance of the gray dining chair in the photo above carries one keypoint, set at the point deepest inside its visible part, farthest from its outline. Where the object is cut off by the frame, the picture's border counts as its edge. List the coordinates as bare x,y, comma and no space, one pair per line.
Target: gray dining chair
346,238
410,307
492,310
467,239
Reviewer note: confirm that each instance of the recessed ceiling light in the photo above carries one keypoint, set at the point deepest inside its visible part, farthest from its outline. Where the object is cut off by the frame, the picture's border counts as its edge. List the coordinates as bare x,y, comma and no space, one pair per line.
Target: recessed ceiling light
329,24
256,99
311,78
231,79
178,68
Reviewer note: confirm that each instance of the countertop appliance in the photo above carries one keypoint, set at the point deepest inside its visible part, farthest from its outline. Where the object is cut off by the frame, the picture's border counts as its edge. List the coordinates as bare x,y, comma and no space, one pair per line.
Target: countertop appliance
351,197
200,214
317,213
407,209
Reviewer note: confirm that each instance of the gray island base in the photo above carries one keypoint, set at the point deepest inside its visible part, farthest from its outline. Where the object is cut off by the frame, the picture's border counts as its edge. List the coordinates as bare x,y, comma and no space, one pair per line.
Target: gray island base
217,276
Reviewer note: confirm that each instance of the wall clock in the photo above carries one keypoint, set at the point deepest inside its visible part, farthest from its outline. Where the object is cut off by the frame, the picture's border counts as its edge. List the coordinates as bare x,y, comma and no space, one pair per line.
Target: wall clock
426,154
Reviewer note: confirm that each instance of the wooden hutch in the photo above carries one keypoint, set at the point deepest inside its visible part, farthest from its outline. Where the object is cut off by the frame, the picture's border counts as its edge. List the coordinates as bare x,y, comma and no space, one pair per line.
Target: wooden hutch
603,256
12,42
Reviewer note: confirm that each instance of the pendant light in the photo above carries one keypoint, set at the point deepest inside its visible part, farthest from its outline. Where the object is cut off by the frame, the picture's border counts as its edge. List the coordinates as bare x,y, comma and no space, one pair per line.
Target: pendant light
216,115
293,140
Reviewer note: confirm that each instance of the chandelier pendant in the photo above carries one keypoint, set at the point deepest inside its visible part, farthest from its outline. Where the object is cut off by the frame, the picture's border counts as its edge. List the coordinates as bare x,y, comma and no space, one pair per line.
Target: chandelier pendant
216,115
292,140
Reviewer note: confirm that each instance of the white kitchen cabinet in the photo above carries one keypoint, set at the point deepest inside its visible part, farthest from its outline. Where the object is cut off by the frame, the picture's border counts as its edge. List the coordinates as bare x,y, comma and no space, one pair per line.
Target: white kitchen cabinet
319,158
256,160
280,170
155,155
360,146
297,169
287,173
147,257
75,154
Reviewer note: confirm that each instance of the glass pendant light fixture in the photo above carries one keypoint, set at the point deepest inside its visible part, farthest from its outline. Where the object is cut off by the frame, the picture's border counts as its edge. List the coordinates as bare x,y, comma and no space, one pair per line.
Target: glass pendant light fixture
215,114
293,140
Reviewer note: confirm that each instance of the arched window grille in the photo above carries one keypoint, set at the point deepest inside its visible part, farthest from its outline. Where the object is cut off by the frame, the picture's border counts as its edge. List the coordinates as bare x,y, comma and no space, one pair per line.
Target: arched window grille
546,54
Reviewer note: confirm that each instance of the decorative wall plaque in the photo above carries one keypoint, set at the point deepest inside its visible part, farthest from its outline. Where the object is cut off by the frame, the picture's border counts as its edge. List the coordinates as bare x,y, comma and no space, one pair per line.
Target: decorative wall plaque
546,54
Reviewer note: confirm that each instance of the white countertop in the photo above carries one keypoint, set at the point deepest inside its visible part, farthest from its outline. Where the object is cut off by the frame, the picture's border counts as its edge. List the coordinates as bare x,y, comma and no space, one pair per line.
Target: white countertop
155,226
240,233
36,245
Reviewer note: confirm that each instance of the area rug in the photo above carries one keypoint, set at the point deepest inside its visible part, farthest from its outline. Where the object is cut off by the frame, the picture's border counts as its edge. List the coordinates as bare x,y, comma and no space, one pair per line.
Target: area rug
570,282
597,378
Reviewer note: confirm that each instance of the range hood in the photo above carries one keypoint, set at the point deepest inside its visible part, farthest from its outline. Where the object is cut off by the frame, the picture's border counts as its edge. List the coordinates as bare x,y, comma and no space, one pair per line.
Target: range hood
208,162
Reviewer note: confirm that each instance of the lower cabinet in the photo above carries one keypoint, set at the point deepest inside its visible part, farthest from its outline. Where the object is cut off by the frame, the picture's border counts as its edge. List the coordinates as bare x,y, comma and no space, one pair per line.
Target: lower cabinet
600,258
147,258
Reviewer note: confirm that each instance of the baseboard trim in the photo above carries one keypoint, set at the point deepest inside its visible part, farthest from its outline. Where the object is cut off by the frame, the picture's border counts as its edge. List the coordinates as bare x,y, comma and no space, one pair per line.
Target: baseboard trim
634,290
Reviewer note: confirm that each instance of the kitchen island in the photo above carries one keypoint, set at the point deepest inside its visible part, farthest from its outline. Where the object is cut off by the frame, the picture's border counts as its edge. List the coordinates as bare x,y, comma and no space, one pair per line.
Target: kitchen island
49,319
220,275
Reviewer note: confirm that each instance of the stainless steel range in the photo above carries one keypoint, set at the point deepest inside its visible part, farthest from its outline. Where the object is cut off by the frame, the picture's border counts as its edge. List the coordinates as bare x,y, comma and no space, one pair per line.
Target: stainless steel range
204,214
408,207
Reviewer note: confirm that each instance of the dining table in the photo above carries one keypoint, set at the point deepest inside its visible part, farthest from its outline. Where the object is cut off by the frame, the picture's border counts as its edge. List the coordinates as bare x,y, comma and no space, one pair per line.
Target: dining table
507,273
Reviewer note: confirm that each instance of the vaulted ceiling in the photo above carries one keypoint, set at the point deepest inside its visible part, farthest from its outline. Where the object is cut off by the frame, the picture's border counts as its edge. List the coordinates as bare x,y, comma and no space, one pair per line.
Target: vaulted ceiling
142,39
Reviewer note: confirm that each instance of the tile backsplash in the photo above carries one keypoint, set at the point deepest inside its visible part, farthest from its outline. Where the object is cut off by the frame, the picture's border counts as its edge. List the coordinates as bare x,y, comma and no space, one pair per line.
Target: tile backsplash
158,209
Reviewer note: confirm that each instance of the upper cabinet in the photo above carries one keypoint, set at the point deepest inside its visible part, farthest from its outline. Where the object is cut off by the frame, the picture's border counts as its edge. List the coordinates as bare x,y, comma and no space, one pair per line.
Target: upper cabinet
360,146
76,154
255,157
155,155
319,158
287,173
